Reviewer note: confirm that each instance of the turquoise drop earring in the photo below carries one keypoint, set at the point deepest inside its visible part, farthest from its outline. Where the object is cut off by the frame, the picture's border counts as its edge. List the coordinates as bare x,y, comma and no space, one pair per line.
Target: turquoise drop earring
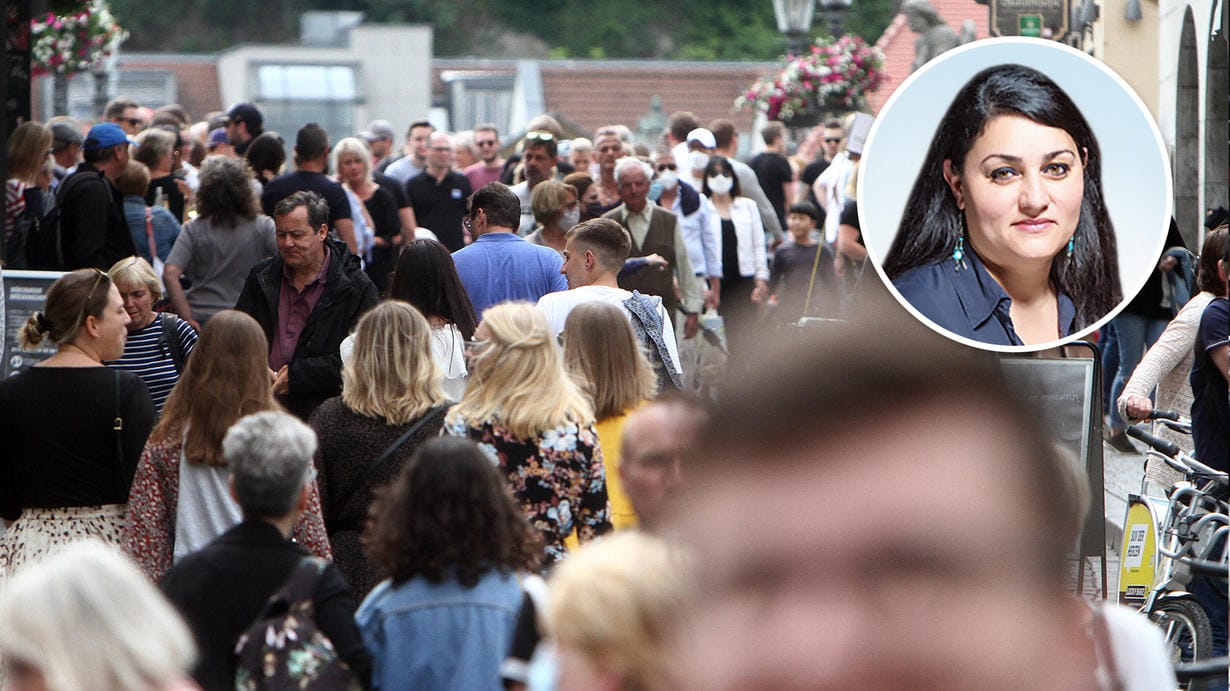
958,254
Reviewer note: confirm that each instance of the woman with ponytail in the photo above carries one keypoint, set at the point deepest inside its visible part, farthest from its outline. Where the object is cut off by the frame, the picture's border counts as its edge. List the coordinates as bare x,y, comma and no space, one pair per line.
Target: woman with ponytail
72,428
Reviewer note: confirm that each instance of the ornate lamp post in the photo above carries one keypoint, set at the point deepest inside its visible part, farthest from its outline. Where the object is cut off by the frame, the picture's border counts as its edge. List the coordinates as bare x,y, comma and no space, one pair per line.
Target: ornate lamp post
794,19
835,9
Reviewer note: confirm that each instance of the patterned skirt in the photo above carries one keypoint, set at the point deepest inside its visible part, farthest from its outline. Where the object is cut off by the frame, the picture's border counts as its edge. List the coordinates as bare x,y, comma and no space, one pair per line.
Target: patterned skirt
39,532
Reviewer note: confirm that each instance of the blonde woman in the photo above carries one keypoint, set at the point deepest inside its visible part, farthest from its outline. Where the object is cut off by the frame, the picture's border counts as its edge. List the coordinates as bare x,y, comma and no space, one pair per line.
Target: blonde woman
352,160
390,387
531,418
26,150
602,354
612,606
180,499
86,619
158,343
557,209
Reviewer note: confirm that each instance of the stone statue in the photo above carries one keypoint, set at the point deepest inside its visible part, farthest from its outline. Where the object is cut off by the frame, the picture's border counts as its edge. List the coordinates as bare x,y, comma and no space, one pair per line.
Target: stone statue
935,36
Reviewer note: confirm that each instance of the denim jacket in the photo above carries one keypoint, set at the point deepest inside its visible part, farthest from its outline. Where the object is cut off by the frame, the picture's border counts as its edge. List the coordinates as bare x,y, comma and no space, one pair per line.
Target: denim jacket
425,635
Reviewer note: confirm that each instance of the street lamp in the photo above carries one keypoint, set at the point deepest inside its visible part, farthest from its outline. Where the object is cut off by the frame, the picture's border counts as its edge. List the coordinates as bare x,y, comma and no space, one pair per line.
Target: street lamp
794,20
835,9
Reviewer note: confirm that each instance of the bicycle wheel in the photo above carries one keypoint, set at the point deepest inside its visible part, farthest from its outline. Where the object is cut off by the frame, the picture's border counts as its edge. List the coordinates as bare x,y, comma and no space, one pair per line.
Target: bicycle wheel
1186,627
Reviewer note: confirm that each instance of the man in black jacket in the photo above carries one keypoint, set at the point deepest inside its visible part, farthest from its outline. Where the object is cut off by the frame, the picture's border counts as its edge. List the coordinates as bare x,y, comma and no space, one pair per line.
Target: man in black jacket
308,299
222,588
93,232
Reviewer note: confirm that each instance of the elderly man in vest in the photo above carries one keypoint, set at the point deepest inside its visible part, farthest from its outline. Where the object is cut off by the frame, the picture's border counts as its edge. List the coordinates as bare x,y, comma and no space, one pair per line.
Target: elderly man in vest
655,230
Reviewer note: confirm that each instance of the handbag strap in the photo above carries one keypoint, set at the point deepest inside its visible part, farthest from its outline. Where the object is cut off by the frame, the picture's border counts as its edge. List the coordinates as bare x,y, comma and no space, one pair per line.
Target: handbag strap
117,426
149,233
383,457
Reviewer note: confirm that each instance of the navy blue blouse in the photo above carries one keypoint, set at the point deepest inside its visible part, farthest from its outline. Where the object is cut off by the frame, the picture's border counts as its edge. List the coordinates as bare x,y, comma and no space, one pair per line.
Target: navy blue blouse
968,302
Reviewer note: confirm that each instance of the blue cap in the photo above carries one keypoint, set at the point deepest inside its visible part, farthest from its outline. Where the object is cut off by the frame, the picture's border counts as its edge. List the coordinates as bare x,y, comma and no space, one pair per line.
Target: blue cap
105,135
217,137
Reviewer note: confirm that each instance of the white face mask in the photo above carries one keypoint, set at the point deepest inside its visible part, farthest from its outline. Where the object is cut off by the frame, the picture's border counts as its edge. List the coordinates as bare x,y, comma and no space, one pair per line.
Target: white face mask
669,179
720,184
698,160
570,218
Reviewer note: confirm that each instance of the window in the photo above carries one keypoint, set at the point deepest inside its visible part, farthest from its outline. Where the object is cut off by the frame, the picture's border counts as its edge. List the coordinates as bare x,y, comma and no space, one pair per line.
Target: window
292,95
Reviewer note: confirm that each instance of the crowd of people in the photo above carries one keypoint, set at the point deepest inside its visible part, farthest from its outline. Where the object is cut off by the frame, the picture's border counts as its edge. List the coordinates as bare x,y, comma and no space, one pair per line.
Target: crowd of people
410,400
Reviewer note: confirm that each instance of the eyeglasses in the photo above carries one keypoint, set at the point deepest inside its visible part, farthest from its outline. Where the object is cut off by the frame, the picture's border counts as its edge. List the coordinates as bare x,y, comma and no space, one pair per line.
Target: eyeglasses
832,140
667,166
539,136
468,219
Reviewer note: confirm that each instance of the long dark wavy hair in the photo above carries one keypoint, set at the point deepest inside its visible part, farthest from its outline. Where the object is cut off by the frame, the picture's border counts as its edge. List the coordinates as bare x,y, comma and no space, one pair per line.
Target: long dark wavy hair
426,277
449,514
932,222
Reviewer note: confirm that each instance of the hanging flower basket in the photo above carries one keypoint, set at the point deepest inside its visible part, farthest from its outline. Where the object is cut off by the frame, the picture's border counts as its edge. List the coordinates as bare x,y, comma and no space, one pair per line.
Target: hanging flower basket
834,75
71,43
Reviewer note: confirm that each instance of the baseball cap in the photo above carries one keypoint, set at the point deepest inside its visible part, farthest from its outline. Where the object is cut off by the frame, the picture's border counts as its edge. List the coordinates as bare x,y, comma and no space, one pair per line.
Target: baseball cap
377,130
247,113
704,137
105,135
216,137
64,134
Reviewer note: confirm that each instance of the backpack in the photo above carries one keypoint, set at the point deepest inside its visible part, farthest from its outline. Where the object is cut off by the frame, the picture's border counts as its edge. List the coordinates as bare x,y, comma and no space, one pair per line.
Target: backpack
32,243
283,648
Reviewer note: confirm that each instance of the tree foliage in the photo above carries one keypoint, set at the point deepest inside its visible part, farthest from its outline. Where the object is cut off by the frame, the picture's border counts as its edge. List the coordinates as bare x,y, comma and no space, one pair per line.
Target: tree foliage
678,29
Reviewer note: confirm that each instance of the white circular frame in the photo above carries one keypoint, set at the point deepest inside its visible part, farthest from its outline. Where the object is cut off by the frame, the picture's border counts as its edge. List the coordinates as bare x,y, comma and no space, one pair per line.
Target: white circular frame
1136,181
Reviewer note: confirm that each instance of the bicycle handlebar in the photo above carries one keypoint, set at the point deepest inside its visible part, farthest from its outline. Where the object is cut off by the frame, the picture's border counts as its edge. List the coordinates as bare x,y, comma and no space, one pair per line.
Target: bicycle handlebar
1167,447
1161,414
1201,669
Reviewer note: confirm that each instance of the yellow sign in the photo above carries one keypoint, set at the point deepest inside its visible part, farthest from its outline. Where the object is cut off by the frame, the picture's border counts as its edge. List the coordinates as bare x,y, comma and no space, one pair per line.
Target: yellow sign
1138,557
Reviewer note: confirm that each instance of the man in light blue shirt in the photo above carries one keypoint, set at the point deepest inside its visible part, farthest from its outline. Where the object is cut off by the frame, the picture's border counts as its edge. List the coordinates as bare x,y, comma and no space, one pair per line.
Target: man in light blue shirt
500,266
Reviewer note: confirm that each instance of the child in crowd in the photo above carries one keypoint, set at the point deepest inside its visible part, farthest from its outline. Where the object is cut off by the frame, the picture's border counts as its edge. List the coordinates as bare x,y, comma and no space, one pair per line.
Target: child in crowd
803,282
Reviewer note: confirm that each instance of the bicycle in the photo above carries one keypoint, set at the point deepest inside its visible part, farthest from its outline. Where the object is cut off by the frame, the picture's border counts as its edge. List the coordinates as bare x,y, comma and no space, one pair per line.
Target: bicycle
1166,538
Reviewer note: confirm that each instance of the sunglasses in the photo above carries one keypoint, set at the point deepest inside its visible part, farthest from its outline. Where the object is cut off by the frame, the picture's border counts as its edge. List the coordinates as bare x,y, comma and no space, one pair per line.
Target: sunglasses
667,166
832,140
539,136
135,122
98,277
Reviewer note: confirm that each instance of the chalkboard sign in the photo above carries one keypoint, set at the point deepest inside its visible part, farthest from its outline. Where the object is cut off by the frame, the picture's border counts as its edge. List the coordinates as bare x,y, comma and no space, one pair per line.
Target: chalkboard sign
1060,391
1065,394
23,294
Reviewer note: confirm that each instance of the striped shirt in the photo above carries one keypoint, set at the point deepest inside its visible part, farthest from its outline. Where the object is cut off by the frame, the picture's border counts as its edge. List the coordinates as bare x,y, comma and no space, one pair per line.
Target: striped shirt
149,357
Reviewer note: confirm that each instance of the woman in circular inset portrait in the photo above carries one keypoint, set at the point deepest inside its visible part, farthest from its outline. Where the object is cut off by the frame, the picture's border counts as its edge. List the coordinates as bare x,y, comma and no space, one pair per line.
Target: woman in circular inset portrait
1005,238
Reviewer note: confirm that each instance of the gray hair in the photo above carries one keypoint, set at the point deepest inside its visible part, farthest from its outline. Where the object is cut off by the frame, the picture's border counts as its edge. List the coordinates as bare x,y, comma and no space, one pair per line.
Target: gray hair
269,454
628,162
87,618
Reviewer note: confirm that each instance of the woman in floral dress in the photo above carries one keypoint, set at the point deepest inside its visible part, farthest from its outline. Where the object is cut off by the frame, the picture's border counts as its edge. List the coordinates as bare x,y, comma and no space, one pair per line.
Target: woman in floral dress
535,424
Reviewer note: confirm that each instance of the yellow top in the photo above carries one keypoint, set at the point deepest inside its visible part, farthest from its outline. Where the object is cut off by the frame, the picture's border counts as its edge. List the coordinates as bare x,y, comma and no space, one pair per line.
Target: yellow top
610,438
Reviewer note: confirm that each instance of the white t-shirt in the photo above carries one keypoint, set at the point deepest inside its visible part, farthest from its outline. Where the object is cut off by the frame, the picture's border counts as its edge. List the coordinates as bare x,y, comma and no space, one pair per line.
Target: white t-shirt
556,307
447,349
522,190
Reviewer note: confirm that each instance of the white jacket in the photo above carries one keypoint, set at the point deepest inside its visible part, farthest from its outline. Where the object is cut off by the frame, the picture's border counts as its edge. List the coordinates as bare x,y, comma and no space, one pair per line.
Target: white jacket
750,232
